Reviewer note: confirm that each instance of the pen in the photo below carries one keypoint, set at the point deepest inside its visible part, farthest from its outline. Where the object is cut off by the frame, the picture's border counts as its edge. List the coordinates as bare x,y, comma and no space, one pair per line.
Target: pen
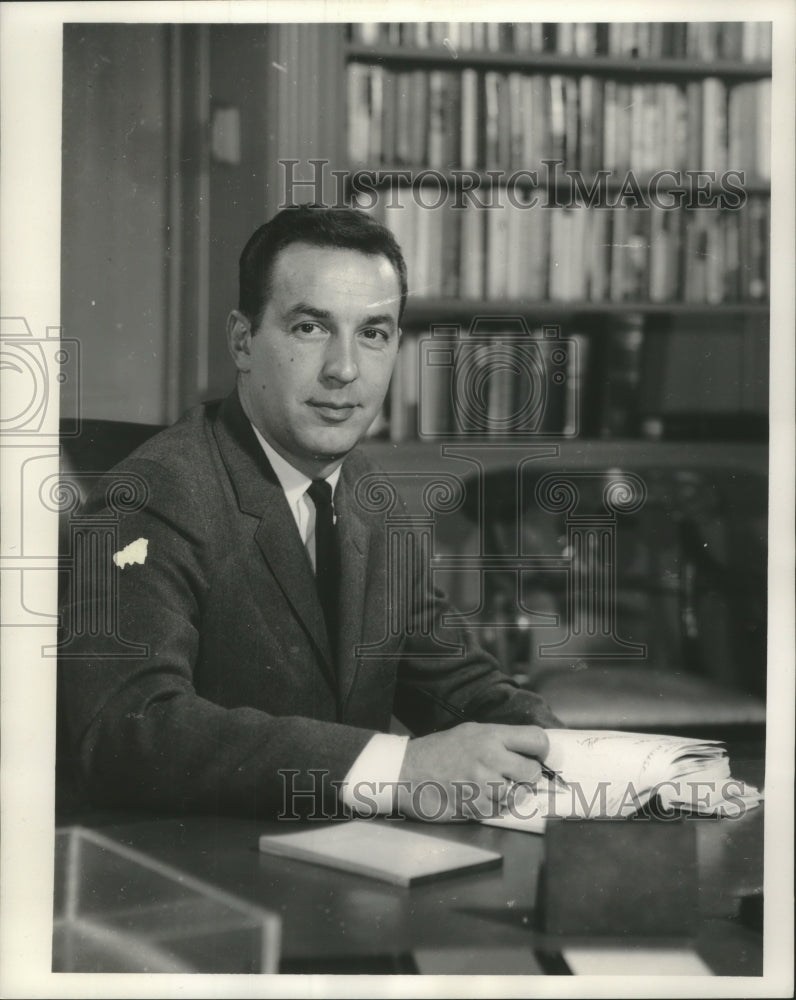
547,772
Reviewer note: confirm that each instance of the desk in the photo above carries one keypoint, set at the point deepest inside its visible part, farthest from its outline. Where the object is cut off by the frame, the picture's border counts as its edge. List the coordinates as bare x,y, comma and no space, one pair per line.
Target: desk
337,922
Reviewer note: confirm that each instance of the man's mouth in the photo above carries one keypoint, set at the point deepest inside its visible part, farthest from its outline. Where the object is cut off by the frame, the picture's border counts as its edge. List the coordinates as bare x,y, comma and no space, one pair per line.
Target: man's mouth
333,412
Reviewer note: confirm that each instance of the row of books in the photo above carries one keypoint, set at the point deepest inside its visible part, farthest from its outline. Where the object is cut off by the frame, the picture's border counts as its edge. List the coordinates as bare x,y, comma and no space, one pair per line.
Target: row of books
492,120
619,254
619,380
494,385
748,41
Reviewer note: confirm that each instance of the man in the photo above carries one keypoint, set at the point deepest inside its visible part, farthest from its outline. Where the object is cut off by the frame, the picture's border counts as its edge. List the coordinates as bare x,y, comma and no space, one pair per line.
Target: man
259,574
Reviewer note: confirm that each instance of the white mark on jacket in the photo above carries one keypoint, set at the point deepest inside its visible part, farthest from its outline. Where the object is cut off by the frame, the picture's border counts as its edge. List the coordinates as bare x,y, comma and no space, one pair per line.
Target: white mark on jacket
135,552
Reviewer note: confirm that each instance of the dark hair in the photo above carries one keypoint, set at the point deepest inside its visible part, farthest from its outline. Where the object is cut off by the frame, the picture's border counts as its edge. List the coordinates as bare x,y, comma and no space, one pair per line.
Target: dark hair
347,228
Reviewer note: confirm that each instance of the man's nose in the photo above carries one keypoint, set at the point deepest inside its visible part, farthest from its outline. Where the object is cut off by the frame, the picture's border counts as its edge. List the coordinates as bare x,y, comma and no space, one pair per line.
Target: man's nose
340,362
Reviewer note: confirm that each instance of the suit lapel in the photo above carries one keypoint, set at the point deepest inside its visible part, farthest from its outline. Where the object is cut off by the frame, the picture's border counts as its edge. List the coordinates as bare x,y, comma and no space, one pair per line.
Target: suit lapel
259,493
354,536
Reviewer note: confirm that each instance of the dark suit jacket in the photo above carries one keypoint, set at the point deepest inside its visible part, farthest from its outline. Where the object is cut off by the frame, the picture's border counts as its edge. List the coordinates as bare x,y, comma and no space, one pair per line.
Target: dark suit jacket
238,680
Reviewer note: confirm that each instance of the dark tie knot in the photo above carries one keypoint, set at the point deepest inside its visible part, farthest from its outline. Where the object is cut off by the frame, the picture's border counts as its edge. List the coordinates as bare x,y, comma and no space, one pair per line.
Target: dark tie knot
321,494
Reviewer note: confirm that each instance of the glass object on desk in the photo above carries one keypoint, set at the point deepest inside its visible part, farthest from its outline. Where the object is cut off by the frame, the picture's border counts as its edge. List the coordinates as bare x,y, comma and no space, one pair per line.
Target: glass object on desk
117,910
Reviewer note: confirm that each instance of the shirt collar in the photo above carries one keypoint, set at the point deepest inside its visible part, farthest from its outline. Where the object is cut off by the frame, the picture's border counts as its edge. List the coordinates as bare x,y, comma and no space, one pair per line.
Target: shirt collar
294,483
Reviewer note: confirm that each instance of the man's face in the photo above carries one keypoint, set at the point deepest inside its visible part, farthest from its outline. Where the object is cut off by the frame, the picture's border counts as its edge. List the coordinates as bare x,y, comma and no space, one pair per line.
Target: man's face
316,370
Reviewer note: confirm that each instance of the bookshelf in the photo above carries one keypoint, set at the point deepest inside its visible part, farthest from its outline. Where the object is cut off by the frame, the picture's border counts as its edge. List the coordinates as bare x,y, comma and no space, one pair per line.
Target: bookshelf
608,179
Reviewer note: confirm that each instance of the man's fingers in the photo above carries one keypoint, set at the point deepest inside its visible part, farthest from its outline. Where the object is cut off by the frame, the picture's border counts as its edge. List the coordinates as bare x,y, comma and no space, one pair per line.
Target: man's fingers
530,741
519,768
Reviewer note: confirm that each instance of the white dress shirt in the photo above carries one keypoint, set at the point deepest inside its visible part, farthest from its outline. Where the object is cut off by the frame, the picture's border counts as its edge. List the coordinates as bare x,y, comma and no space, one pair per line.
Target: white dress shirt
377,768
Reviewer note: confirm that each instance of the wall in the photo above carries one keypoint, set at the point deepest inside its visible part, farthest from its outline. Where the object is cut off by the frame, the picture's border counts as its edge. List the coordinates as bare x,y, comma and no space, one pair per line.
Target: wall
153,223
114,190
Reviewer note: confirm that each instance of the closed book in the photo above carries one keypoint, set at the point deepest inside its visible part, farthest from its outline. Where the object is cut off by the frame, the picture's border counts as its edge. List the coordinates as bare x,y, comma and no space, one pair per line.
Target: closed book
714,125
492,120
535,252
376,115
694,134
587,152
570,122
624,104
497,251
732,257
470,119
403,141
504,123
636,149
515,99
618,254
585,42
530,126
419,121
358,113
471,263
436,124
758,248
599,255
658,255
540,104
422,219
637,274
610,126
557,264
558,124
452,120
565,38
451,234
715,258
580,226
389,118
435,237
502,374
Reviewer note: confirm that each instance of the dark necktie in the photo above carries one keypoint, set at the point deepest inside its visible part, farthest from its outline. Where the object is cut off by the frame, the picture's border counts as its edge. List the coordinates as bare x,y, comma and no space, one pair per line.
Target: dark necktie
327,557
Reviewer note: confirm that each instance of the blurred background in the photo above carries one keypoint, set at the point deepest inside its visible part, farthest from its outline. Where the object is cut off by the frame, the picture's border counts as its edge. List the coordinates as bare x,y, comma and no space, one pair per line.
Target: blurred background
172,142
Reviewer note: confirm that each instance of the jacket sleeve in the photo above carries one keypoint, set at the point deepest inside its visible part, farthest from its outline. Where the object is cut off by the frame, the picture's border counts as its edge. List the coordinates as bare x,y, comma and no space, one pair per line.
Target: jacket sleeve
472,683
136,728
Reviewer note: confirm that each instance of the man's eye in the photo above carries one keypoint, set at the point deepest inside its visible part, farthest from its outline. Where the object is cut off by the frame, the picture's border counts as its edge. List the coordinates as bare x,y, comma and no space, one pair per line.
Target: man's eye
308,328
373,334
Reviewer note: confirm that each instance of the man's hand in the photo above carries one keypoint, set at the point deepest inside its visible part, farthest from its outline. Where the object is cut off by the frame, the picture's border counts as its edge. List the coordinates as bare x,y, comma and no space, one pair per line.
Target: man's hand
466,772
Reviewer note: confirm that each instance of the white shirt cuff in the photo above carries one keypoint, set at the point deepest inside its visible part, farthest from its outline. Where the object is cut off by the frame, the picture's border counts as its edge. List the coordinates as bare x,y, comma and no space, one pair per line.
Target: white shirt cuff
370,785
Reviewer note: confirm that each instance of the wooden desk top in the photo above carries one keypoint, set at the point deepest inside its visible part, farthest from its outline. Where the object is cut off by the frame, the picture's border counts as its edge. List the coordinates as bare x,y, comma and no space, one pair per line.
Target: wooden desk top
329,916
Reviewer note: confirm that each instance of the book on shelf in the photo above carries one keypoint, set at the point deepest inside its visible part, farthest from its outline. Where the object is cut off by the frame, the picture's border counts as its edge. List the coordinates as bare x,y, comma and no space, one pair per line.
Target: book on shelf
607,774
493,119
511,250
498,380
620,377
743,41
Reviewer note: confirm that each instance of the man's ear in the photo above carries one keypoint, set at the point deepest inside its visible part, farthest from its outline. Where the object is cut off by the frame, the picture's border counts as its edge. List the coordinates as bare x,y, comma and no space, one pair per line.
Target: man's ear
239,336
